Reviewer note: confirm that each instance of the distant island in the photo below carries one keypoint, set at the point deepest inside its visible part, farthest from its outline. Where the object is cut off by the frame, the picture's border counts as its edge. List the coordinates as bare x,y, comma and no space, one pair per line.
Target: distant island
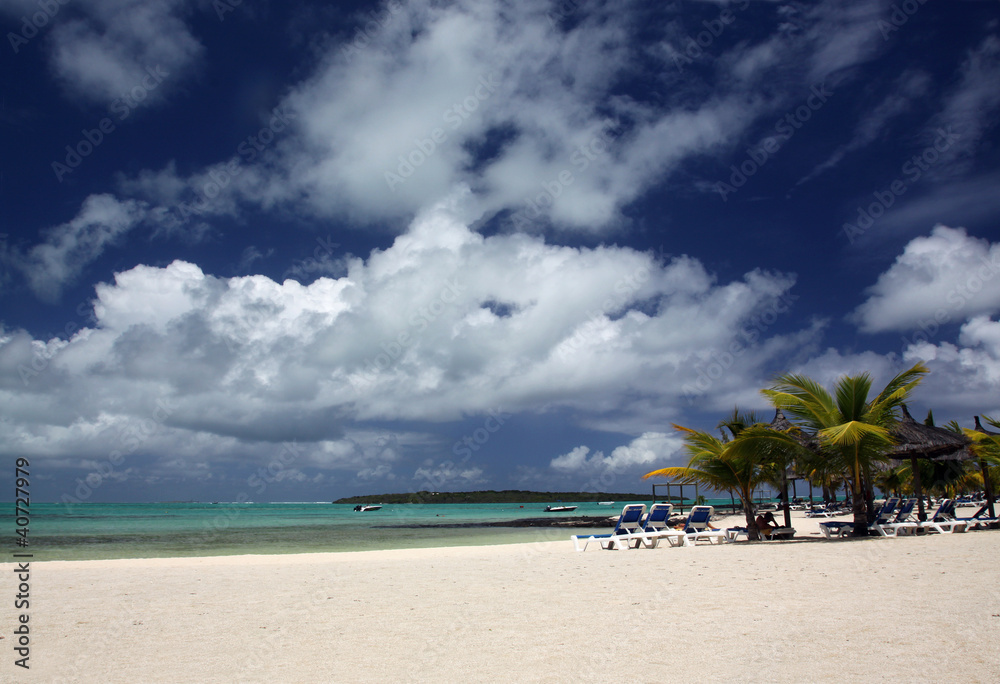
492,496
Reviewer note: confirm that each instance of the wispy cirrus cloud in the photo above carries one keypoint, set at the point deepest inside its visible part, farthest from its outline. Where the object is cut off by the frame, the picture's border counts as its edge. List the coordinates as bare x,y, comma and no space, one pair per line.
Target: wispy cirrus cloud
104,49
527,112
908,88
52,265
970,107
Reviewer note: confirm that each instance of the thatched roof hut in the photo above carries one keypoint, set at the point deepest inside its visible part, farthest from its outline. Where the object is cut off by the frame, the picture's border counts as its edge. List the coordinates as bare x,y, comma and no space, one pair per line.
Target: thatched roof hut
915,440
980,428
782,424
926,441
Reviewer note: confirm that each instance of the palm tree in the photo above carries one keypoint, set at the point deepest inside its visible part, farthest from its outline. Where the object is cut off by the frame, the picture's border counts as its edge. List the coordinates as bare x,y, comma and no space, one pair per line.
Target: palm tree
946,478
986,447
852,430
727,464
892,480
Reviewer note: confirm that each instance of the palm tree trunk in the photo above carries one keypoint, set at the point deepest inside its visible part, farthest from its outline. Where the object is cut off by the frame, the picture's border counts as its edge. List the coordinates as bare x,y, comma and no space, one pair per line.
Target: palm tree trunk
784,499
869,498
753,534
858,500
987,488
918,490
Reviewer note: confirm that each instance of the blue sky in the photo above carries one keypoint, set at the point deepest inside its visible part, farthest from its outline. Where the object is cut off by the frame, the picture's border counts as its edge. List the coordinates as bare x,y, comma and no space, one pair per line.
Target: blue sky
296,251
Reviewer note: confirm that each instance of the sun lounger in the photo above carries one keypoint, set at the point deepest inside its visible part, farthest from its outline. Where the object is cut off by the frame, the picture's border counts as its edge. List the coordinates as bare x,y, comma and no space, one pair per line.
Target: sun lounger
943,521
696,528
778,533
826,511
838,528
821,513
900,523
656,526
841,528
734,533
980,517
629,523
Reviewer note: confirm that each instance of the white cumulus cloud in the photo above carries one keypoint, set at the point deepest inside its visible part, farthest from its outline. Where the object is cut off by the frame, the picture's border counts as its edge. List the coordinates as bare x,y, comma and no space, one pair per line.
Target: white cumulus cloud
945,277
965,376
647,452
444,324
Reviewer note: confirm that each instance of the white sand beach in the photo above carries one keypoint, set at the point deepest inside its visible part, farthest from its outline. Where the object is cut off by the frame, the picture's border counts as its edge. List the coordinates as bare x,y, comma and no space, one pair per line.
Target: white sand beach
908,609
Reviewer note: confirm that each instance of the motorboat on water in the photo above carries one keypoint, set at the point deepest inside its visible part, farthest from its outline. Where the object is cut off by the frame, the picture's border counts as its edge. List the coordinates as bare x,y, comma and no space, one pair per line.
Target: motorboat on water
367,507
559,509
605,503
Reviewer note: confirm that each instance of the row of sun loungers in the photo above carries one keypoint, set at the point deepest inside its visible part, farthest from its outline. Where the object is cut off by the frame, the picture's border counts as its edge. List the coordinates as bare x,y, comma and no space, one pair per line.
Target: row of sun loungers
634,529
891,523
827,511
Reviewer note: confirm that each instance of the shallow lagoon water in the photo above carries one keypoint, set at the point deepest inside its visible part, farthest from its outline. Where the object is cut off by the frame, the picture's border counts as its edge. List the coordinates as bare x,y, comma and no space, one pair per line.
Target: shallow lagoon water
91,531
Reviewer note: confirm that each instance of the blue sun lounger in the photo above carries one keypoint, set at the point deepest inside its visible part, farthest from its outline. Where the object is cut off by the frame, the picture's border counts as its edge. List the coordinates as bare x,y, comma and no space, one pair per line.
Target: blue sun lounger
629,523
901,523
980,517
696,528
943,521
842,528
656,526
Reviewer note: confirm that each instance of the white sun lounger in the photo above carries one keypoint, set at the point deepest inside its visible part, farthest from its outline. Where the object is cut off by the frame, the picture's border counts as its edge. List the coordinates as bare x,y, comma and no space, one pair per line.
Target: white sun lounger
943,521
842,528
656,526
629,523
978,518
696,528
901,523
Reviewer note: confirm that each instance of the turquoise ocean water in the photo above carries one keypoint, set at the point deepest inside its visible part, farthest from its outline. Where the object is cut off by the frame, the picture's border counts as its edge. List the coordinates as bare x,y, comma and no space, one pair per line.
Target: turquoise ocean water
149,530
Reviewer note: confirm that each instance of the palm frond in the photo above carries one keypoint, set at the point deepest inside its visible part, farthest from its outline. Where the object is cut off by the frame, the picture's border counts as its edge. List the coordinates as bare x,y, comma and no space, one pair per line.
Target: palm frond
907,380
738,421
680,472
813,406
882,409
853,433
852,396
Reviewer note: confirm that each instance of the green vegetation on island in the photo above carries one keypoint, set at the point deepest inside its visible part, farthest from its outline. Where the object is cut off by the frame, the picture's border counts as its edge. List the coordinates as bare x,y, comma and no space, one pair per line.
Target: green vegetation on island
491,496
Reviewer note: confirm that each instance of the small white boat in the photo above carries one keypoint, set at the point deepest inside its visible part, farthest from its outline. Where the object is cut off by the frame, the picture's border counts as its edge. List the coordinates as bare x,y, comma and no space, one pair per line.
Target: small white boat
605,503
559,509
367,507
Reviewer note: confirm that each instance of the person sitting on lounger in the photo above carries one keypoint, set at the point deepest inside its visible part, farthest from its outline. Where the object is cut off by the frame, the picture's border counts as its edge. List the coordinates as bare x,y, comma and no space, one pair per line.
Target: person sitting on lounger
766,523
683,525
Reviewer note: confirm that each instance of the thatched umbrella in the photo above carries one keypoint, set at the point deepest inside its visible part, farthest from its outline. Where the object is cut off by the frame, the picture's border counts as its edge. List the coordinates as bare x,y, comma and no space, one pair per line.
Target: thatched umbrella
915,440
987,485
